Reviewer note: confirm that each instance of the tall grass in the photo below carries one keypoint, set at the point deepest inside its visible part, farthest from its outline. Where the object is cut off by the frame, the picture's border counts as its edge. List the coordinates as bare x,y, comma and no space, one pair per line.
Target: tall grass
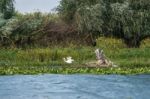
35,60
113,49
46,56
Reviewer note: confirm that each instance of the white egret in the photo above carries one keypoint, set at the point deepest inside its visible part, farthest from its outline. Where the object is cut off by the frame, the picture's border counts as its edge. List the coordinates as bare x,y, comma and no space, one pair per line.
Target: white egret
68,60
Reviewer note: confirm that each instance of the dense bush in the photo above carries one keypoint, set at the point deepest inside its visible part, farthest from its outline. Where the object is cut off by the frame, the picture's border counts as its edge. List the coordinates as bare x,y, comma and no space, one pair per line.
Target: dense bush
24,29
129,19
80,12
83,22
89,19
7,8
38,29
132,19
2,20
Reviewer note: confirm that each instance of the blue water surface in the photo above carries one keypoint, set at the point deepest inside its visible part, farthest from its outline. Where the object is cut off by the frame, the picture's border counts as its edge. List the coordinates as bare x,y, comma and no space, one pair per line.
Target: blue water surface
75,87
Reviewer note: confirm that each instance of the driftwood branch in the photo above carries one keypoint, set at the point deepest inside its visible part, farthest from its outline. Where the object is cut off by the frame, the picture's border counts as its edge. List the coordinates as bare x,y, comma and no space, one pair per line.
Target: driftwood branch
101,59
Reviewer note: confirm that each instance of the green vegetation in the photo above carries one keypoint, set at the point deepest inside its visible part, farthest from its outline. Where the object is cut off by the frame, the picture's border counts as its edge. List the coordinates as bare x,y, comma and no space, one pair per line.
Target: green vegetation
76,21
125,19
7,8
36,43
50,60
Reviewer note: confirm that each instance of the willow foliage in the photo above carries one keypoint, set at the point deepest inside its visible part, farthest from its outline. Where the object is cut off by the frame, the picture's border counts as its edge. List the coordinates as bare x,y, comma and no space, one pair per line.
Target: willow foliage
23,28
126,19
84,16
7,8
68,8
2,20
132,19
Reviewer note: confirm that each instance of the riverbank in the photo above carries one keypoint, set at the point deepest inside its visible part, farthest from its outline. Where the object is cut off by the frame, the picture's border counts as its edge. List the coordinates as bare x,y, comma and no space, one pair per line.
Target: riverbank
35,61
50,60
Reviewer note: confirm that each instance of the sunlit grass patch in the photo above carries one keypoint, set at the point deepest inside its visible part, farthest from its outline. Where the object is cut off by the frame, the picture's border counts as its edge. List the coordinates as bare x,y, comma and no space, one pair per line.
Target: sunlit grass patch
145,43
110,43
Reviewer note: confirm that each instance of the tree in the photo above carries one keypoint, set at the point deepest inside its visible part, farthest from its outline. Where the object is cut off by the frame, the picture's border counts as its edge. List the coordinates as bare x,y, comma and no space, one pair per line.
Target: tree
86,15
23,30
126,19
2,20
7,8
132,19
89,19
67,9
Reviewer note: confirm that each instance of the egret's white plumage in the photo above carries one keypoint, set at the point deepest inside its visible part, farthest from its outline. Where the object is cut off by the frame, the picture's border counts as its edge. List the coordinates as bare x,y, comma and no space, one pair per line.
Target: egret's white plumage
68,60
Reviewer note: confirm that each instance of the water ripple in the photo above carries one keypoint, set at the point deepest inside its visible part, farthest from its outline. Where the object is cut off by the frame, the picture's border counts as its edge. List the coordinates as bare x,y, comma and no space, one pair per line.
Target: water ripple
75,87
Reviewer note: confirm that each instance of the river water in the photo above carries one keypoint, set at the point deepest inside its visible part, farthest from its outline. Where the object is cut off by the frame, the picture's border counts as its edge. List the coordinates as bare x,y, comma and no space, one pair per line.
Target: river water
75,87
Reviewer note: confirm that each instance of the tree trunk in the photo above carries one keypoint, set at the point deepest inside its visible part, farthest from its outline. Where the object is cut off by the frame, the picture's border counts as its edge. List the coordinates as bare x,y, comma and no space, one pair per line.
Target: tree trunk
133,42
